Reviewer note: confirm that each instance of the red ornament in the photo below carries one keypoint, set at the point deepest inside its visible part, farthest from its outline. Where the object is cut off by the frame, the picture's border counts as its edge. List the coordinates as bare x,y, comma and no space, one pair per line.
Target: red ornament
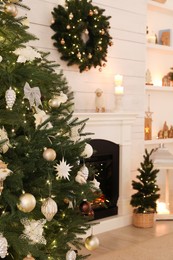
85,207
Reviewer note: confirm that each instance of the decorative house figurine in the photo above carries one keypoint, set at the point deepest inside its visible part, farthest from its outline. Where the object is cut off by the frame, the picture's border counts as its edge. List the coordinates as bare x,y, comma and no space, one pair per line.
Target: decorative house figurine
99,101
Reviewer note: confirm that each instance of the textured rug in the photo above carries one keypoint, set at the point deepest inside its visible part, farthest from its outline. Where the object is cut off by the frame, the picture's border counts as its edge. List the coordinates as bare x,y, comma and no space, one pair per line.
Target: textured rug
160,248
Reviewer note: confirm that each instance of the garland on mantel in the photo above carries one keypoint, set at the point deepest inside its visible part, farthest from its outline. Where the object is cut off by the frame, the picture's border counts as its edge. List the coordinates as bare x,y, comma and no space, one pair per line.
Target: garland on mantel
81,34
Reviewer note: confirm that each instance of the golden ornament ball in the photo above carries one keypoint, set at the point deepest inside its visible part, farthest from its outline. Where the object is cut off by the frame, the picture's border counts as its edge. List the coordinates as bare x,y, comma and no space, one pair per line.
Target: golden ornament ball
49,154
11,9
29,257
27,202
91,242
54,102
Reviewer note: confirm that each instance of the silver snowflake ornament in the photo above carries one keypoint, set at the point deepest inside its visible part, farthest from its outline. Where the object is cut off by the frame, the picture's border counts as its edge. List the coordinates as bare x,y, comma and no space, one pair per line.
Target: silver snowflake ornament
33,230
63,170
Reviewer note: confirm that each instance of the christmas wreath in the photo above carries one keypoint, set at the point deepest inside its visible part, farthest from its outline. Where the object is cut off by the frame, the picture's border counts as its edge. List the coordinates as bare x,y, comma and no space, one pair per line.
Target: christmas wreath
81,33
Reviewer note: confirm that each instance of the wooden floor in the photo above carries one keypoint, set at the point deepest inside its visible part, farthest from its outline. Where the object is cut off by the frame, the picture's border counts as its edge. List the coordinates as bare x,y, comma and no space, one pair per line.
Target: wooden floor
127,236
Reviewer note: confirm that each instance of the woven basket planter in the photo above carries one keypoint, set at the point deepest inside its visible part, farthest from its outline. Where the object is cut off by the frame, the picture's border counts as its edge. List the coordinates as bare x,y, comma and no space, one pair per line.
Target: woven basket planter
142,220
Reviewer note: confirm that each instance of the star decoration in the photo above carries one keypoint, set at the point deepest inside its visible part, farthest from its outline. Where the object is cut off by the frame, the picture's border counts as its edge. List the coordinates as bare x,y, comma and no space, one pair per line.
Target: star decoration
63,170
33,230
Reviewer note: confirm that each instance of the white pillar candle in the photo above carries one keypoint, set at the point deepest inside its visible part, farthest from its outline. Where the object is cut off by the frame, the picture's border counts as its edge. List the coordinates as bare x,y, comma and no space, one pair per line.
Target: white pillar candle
119,90
118,80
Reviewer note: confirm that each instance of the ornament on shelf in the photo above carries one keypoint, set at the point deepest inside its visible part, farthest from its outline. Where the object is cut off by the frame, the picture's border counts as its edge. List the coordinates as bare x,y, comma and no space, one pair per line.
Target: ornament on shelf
4,141
10,97
99,101
165,132
3,246
49,208
33,230
148,78
71,255
27,202
49,154
33,95
11,9
85,207
29,257
91,242
87,152
84,171
148,122
4,172
63,170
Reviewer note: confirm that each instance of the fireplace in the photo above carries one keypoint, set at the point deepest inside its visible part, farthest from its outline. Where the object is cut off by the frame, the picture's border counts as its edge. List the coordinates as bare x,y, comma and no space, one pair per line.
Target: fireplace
105,161
117,128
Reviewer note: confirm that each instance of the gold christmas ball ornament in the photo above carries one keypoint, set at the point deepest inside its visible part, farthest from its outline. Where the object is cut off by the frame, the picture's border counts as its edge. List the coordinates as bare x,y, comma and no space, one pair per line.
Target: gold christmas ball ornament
54,102
49,208
29,257
91,242
88,151
11,9
49,154
27,202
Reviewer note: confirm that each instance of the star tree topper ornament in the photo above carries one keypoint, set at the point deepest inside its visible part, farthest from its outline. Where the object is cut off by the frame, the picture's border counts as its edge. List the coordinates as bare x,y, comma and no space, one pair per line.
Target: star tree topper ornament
63,170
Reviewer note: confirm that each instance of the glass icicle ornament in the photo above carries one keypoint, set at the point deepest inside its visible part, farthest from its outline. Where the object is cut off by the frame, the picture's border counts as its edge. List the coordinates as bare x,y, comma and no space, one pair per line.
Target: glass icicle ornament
49,208
3,246
10,97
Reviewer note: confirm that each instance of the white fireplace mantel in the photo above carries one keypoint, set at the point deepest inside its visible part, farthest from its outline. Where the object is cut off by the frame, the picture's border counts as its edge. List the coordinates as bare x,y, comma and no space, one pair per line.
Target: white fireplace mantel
115,127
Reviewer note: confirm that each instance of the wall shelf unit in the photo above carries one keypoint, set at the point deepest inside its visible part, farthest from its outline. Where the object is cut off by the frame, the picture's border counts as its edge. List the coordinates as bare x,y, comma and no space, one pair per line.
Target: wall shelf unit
159,89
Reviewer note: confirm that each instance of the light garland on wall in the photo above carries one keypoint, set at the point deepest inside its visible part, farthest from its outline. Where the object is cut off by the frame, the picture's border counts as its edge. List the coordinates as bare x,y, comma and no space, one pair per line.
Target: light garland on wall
81,34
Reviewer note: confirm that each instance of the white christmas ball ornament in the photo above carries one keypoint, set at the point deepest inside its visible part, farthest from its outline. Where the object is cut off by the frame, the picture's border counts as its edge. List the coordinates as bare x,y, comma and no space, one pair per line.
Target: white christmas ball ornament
49,154
10,97
71,255
49,208
3,246
88,151
27,202
54,102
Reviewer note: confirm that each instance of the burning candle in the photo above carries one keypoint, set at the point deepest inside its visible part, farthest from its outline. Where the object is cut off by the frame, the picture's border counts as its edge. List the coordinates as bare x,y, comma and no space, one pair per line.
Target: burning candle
118,80
119,90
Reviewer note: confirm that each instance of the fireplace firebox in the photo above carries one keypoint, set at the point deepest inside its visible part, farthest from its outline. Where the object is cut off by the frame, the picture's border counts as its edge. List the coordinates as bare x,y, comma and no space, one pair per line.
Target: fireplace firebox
105,160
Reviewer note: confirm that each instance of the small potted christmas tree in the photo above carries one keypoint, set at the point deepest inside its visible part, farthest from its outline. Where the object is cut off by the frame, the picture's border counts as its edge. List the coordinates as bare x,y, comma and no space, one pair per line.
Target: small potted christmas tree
144,200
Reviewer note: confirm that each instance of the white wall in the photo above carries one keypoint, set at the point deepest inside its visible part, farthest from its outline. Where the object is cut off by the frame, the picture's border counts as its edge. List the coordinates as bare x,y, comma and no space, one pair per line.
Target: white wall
126,57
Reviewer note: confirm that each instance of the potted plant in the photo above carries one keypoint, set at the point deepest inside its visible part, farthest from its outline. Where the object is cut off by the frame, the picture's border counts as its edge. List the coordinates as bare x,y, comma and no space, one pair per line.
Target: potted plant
144,200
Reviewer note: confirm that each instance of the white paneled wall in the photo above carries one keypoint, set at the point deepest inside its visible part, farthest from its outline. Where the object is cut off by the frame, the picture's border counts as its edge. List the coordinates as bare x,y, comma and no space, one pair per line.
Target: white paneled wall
126,57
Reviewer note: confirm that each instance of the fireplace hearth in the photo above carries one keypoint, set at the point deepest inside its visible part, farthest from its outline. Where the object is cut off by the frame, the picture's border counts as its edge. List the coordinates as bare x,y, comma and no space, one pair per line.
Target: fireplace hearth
105,161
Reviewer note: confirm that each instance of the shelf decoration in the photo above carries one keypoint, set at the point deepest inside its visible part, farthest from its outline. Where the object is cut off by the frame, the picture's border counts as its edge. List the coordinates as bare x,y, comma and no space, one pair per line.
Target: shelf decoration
165,132
81,34
148,78
164,37
167,80
148,122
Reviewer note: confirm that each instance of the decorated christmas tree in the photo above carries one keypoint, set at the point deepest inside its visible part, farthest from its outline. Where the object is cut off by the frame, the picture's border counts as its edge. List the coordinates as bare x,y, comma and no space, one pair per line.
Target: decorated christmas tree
44,185
144,200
